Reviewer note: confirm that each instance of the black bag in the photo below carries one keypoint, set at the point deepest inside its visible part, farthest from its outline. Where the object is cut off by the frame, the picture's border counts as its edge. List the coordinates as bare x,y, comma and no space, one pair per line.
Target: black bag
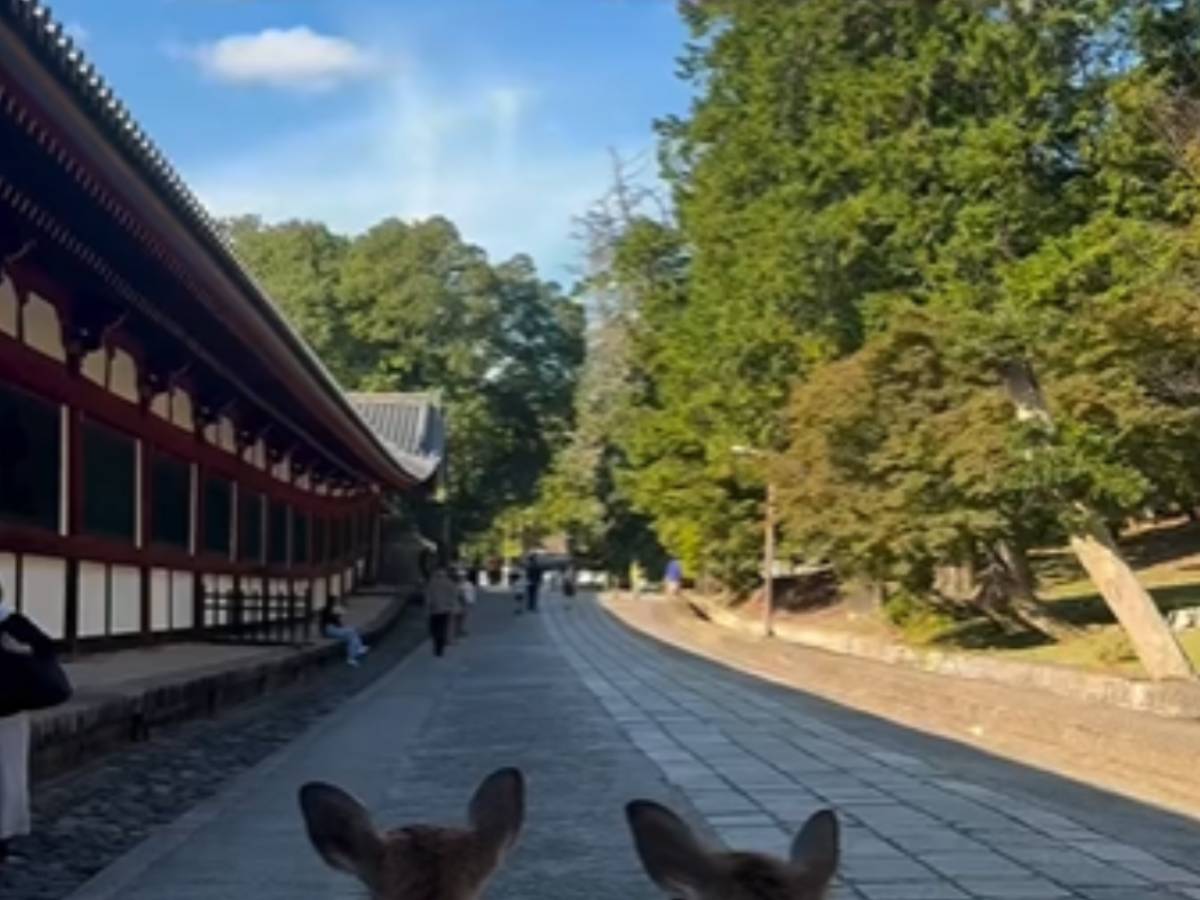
31,682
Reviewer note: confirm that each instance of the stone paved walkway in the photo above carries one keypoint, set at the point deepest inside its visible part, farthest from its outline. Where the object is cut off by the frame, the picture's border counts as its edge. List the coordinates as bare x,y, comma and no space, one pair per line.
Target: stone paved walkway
595,716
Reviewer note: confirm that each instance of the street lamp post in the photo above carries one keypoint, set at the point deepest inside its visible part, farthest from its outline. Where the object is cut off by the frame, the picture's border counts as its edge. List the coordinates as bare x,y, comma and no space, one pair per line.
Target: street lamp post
768,545
769,562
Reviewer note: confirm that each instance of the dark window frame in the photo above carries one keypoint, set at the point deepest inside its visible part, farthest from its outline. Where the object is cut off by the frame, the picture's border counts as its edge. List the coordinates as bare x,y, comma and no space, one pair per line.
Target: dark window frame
278,532
110,495
214,525
251,522
31,480
164,471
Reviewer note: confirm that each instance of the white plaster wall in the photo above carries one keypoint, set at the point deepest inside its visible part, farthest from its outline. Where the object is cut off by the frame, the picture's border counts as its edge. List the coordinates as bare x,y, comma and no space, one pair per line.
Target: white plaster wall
318,593
126,600
160,600
43,332
8,307
44,593
123,376
160,405
93,595
182,589
226,435
181,409
95,367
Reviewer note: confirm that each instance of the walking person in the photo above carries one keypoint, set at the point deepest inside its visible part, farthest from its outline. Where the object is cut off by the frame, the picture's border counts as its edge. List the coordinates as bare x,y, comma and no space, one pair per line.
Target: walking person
533,581
467,596
673,579
442,595
517,588
332,626
32,680
568,583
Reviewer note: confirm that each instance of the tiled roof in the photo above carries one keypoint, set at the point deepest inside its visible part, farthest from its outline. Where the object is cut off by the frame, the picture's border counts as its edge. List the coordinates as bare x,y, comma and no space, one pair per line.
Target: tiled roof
47,38
411,426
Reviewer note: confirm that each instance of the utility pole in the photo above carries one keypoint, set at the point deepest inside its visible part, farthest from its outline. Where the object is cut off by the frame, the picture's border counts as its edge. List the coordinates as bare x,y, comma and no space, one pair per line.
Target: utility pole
768,544
769,562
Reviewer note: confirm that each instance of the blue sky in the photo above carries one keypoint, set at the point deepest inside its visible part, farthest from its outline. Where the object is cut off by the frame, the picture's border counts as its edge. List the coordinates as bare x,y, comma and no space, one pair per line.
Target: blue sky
495,113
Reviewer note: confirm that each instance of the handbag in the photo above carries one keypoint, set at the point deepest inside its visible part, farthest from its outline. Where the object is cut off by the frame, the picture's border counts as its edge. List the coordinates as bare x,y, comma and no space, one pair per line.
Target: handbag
29,682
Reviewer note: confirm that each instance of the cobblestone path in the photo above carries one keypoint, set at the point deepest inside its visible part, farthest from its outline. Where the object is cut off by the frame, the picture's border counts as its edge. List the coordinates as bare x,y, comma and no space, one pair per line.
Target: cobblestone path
85,820
596,715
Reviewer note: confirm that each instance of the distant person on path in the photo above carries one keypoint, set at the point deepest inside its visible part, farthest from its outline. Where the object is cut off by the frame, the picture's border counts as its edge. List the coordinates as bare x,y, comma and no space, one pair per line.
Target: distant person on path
517,588
568,583
31,680
332,626
533,581
443,597
673,579
467,594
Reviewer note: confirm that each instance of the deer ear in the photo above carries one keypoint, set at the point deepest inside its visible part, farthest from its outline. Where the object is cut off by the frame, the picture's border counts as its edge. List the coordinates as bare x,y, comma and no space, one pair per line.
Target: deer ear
670,853
341,830
816,847
497,810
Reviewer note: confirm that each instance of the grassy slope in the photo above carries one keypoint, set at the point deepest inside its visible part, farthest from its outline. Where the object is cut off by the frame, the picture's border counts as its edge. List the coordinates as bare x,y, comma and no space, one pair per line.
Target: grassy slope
1167,560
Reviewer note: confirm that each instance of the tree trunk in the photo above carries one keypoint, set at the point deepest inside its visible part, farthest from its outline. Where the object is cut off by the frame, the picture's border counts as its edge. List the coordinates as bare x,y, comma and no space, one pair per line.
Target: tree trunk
1022,588
1154,643
1131,603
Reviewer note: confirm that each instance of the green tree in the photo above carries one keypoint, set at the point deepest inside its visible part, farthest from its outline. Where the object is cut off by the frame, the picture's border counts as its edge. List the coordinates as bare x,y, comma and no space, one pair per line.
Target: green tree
410,306
300,266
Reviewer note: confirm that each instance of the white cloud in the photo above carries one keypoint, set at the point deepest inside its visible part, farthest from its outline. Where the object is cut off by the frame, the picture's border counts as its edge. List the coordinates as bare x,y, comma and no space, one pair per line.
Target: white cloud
476,156
297,58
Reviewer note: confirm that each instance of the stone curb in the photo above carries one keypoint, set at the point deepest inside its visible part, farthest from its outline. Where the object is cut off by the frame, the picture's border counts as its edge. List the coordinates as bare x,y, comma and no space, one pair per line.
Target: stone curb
94,723
1173,699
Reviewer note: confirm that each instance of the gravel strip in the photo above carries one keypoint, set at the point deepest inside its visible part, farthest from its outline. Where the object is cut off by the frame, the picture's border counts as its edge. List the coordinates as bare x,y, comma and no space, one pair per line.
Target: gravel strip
85,820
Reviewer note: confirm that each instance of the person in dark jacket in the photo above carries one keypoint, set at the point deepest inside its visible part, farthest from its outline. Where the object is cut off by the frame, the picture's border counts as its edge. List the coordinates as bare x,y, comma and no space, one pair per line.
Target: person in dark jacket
533,581
32,680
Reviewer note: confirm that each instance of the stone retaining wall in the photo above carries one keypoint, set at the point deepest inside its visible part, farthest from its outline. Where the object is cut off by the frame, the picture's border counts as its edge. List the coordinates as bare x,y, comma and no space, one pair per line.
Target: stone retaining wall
1176,699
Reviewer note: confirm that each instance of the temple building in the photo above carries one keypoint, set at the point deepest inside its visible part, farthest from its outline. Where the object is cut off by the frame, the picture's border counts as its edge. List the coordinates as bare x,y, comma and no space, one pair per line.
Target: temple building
174,459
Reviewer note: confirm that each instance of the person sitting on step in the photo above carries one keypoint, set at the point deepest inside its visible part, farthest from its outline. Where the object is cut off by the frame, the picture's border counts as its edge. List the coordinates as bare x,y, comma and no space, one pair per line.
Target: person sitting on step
332,626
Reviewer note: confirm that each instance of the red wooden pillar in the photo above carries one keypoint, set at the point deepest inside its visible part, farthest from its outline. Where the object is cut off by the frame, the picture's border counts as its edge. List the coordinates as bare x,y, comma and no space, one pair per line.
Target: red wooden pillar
197,548
74,520
145,482
72,445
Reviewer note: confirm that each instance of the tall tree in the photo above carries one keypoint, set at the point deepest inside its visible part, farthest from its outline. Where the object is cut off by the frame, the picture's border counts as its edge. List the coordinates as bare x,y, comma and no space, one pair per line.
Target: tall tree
410,306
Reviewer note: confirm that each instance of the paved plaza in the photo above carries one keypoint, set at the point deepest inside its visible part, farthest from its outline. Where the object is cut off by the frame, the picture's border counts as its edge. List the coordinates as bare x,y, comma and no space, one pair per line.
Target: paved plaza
596,716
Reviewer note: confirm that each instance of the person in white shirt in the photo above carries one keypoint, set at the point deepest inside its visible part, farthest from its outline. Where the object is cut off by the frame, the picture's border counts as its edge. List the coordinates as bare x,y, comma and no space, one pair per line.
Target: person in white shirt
30,679
467,594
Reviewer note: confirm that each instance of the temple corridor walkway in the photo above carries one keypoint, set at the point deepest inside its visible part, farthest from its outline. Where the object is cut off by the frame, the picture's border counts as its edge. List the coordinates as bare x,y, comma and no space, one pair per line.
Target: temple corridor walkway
596,716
